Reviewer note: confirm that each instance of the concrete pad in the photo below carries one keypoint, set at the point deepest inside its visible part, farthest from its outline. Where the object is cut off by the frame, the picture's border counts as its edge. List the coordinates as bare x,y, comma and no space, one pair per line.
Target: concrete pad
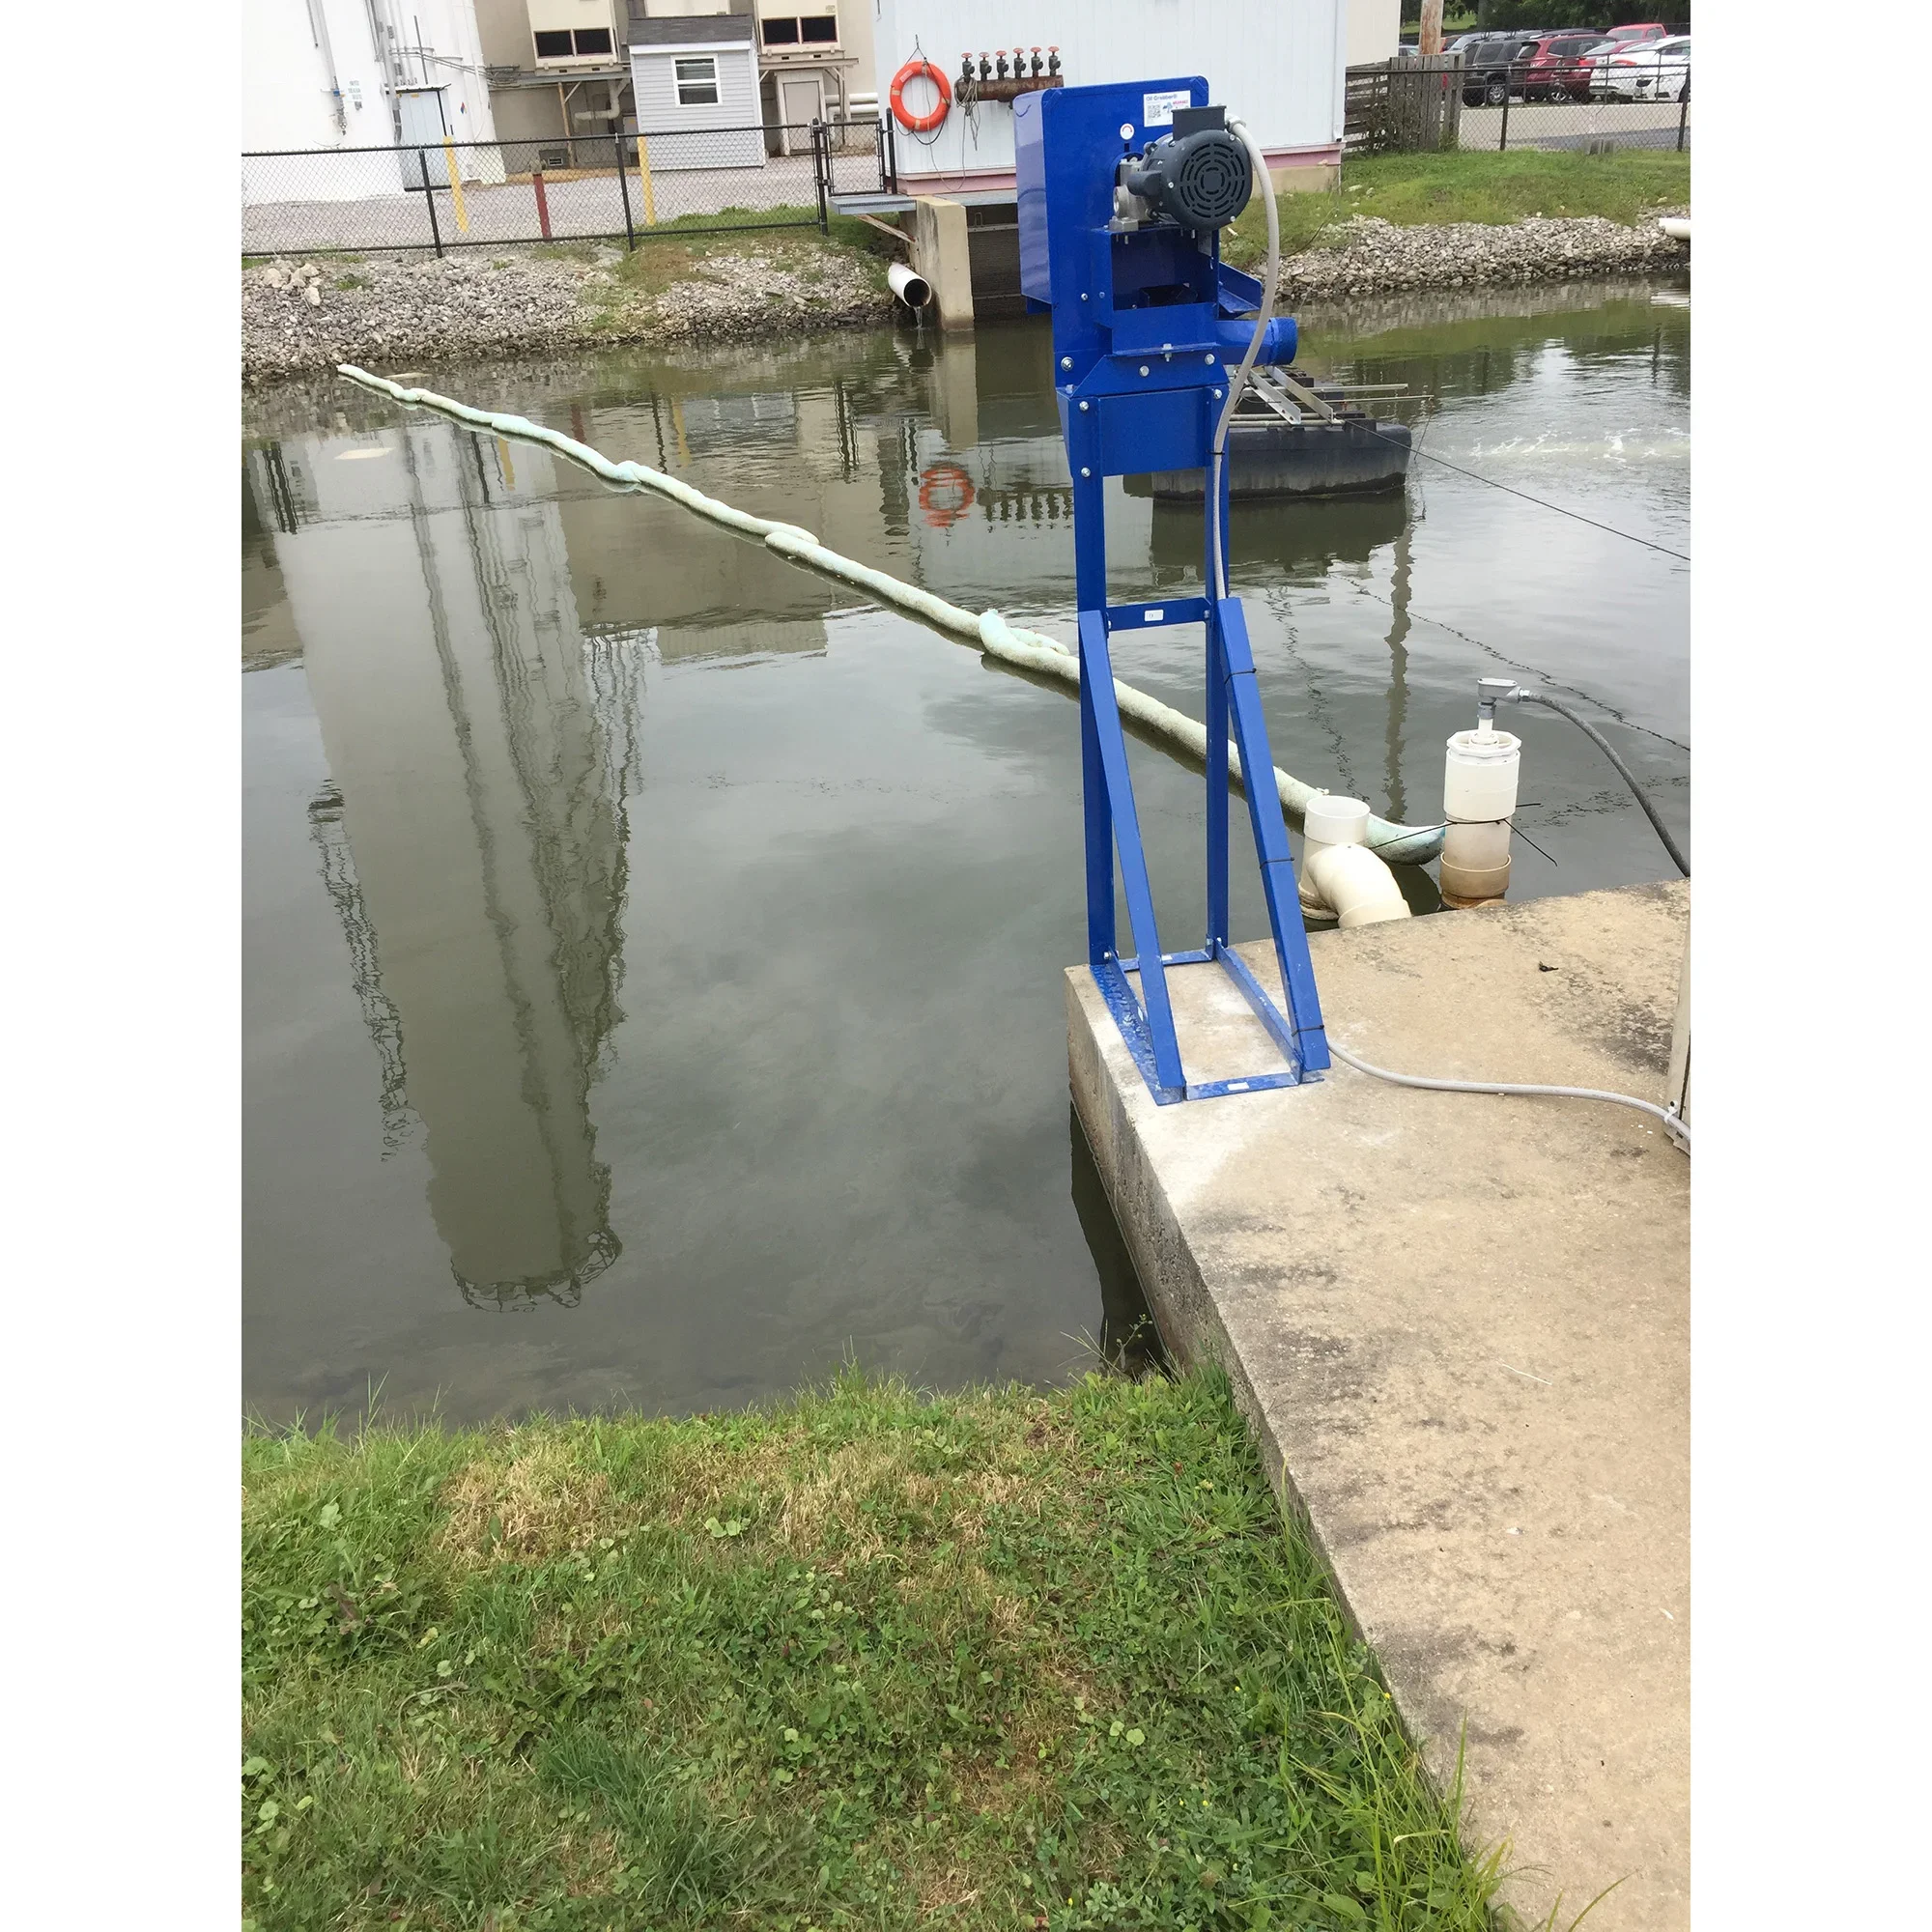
1460,1326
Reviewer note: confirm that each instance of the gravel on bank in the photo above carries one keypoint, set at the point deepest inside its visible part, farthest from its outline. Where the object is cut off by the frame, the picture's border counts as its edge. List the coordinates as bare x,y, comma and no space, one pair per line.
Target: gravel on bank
1367,256
304,315
298,316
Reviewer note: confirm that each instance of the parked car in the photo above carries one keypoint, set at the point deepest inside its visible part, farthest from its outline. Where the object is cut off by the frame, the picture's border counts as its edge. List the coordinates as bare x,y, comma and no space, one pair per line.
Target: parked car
1492,69
1558,67
1635,72
1636,34
1669,74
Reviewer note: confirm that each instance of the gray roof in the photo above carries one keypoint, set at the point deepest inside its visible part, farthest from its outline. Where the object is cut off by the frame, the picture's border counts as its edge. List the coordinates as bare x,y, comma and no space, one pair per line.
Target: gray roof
691,30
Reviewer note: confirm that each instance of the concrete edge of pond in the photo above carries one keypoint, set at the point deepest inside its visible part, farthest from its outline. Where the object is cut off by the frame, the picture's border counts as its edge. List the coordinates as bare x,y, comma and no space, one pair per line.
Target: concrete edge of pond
1459,1327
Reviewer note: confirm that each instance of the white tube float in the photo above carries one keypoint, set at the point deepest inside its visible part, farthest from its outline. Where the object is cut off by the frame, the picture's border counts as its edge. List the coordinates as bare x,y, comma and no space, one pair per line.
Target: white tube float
1479,784
911,288
1024,650
1340,879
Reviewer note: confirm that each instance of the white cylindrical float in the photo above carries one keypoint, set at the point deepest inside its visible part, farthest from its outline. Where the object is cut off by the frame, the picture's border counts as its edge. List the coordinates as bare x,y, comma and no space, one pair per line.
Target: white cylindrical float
1340,879
1478,801
911,288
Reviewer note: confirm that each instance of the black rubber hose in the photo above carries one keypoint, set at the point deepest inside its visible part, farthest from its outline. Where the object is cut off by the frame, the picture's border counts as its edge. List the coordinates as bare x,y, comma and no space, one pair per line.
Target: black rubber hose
1623,772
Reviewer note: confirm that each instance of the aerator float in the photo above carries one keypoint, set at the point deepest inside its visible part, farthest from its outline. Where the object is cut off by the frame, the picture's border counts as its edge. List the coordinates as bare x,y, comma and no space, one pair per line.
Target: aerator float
1123,193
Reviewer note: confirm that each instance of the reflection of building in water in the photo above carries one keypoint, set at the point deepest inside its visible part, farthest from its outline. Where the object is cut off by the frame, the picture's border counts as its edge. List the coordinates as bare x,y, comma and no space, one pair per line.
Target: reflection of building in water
473,835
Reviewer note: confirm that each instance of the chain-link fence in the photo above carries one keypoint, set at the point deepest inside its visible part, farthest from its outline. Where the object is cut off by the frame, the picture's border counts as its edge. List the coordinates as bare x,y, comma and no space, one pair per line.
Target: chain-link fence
465,194
1406,105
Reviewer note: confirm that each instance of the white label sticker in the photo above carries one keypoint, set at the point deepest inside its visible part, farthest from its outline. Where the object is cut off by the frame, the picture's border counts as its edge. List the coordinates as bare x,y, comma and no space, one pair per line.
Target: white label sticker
1157,109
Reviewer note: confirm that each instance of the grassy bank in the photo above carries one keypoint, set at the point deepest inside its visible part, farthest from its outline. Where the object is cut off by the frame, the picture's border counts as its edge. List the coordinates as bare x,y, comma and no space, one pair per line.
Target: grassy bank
999,1660
1411,189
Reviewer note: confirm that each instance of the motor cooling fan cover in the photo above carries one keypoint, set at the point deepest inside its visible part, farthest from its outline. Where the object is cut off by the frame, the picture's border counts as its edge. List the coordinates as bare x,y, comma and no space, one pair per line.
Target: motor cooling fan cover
1201,180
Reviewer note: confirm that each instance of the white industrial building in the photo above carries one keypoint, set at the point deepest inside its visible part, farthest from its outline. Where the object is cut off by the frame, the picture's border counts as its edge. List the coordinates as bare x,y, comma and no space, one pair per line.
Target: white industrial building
359,74
1278,63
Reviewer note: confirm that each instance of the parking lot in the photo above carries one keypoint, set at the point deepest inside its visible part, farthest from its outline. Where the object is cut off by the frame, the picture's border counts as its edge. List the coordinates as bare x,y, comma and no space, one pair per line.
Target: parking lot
1576,123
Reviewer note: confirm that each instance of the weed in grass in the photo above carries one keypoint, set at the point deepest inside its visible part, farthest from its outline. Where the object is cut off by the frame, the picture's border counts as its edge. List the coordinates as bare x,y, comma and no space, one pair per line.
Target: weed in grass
1003,1657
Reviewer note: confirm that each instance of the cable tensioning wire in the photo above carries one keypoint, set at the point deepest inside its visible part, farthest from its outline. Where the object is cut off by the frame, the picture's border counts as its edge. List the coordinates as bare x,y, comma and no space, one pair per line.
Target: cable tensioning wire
1623,772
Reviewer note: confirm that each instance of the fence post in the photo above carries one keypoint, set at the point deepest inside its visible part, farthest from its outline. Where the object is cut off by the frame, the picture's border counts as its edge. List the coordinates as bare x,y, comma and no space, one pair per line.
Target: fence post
543,203
821,168
429,198
644,180
456,188
1682,111
624,190
1505,140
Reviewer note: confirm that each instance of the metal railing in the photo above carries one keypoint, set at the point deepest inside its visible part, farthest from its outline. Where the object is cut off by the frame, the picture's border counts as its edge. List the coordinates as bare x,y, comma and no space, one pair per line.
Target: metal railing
1405,105
616,187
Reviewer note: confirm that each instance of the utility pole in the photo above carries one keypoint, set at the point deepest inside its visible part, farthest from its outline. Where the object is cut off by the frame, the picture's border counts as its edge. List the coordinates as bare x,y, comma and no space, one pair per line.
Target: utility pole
1430,41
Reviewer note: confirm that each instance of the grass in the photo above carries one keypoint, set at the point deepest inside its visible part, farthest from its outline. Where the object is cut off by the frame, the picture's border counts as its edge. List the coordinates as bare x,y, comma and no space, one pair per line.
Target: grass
1410,189
865,1659
674,250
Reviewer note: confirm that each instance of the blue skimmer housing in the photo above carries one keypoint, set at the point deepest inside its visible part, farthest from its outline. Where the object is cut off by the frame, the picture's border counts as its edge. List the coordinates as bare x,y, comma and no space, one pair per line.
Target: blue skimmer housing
1149,324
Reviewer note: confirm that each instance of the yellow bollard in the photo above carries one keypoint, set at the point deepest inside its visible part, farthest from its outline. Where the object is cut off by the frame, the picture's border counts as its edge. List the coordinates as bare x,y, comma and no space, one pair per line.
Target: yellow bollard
644,170
456,187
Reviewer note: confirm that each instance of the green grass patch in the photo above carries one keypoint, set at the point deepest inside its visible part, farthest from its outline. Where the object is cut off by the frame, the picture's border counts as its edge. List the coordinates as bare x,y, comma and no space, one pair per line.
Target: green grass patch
1412,189
865,1659
673,251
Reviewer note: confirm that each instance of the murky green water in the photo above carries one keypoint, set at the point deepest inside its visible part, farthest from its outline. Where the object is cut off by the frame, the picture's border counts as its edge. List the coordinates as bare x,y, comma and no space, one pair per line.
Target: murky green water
654,962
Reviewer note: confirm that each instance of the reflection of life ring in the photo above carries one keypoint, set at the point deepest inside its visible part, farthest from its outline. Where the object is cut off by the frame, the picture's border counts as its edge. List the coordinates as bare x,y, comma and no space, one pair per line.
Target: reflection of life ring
920,124
945,494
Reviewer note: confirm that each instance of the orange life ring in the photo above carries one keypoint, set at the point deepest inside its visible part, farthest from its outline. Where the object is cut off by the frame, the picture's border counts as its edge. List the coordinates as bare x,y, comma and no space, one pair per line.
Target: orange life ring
958,488
920,124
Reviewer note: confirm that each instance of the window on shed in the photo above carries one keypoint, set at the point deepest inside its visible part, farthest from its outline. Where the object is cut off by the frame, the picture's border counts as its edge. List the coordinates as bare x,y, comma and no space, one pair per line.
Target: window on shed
698,81
593,40
553,46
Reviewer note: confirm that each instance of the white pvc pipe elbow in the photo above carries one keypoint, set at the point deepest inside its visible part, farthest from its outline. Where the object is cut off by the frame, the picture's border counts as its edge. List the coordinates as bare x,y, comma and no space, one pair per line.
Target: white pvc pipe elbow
1354,885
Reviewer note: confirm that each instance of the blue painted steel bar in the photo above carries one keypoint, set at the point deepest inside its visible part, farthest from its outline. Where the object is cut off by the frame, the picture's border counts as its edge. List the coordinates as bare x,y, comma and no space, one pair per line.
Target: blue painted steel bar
1142,617
1278,883
1097,677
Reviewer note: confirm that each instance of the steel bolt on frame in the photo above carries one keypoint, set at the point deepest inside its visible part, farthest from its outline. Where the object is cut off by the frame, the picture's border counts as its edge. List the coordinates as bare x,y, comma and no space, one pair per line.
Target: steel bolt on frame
1139,388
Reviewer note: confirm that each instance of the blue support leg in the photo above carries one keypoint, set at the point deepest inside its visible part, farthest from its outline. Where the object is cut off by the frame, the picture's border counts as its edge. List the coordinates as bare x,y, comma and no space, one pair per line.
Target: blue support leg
1217,786
1278,883
1096,690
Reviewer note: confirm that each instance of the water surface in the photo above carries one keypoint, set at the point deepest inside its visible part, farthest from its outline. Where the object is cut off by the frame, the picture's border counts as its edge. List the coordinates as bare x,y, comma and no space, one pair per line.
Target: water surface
653,961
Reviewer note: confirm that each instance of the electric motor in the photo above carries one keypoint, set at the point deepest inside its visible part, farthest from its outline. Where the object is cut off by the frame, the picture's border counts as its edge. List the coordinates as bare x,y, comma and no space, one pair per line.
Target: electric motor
1199,177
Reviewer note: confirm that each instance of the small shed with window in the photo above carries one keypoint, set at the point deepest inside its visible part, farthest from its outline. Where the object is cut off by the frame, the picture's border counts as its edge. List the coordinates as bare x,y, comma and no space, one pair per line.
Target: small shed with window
695,83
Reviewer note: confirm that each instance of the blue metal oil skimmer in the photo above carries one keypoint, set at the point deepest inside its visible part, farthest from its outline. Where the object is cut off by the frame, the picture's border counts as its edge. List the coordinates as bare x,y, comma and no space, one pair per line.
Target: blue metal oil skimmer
1123,193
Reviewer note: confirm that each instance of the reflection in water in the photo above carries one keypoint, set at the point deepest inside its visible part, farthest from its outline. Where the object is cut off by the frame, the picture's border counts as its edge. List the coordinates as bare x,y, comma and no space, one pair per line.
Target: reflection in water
835,1123
472,834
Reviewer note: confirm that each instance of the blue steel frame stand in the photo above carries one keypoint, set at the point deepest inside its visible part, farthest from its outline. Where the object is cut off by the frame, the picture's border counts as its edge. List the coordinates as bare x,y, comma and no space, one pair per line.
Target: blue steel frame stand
1146,322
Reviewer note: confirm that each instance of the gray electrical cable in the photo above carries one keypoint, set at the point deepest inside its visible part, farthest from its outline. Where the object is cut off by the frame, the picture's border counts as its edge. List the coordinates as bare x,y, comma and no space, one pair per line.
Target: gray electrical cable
1623,772
1240,380
1671,1122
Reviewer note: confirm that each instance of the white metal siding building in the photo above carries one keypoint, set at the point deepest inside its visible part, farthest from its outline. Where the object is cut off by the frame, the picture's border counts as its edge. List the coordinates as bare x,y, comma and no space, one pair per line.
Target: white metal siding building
694,74
1277,62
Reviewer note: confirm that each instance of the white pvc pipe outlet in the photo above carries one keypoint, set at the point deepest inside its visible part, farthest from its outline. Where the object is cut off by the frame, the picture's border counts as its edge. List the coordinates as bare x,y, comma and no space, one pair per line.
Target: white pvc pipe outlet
1340,877
912,288
1479,786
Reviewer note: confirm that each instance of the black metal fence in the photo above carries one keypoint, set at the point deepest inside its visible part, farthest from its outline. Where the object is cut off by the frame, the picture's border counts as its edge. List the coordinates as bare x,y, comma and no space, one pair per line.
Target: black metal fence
620,188
1405,105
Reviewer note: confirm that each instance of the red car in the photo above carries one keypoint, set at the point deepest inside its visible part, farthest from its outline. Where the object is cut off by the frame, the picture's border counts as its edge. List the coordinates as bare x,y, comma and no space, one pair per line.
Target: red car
1557,66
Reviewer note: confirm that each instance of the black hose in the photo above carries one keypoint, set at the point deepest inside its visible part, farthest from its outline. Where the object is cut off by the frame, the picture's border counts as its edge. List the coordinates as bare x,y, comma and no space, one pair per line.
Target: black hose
1623,772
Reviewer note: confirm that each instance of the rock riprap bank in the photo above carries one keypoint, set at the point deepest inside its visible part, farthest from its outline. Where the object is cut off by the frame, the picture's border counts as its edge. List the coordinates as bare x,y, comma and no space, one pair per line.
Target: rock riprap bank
301,315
